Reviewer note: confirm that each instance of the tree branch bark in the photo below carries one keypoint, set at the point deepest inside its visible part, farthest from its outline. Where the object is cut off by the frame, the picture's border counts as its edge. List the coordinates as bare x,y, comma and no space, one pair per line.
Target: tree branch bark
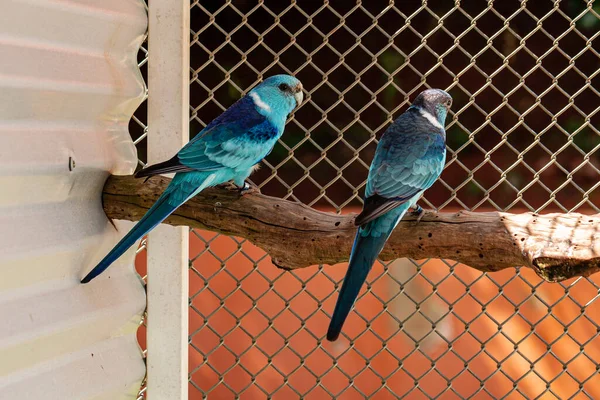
555,246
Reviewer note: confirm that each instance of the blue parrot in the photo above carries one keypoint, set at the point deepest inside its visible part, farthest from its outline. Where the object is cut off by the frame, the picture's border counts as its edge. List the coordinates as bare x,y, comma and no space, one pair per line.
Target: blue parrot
409,158
227,149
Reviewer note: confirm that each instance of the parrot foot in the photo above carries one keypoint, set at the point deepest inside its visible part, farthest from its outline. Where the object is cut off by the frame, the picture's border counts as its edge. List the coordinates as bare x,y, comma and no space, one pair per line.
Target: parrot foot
242,190
418,211
244,187
247,188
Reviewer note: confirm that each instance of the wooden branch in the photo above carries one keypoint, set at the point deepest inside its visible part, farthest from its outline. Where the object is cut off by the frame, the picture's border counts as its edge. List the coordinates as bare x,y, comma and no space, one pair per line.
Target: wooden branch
556,246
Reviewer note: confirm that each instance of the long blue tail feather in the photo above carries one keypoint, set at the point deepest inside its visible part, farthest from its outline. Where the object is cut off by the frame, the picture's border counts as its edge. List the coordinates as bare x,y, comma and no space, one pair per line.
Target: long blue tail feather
174,195
368,243
360,264
155,215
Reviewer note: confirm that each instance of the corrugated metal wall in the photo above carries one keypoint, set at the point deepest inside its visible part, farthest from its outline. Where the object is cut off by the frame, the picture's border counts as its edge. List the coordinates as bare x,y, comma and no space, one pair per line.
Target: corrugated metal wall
69,83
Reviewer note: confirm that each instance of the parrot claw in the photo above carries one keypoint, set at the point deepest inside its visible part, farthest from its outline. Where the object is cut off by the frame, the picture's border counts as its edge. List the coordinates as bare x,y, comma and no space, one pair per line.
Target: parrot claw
242,190
417,210
227,186
247,188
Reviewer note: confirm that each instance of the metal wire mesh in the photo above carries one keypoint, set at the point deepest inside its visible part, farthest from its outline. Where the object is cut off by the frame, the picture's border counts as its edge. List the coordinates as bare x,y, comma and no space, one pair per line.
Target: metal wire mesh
139,131
522,137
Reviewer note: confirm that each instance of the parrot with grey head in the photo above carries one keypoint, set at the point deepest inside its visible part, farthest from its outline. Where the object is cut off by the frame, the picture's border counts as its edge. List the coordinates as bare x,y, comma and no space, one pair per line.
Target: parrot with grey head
409,158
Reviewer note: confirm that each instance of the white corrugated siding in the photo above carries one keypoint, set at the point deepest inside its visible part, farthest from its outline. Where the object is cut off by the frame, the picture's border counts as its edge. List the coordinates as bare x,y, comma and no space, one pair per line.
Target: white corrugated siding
69,83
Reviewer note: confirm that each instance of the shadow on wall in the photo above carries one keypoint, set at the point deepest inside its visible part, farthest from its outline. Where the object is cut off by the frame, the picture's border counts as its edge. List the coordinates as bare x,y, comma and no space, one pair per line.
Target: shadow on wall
496,328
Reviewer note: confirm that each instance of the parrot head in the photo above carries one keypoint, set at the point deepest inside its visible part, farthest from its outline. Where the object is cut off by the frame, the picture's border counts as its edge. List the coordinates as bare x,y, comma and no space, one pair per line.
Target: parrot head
436,102
279,94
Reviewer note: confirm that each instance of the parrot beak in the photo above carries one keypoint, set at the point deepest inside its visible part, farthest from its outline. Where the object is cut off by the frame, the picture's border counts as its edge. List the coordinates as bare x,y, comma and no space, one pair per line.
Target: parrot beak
298,95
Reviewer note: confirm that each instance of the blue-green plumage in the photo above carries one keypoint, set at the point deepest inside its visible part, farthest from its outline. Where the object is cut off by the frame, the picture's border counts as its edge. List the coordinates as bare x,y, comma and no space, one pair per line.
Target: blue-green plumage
227,149
409,158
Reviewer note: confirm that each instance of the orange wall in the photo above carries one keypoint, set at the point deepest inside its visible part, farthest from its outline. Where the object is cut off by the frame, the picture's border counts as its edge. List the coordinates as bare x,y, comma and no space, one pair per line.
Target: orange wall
270,305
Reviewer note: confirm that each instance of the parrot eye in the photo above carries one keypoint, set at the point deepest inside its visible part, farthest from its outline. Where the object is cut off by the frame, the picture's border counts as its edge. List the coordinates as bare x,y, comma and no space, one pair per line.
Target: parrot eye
449,103
284,87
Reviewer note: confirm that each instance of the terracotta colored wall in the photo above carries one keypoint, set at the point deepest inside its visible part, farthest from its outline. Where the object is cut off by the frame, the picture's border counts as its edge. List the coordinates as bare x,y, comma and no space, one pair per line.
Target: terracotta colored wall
270,305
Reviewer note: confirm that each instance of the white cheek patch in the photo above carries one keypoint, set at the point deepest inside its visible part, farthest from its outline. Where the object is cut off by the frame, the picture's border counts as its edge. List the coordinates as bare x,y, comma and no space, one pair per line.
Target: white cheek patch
430,118
259,103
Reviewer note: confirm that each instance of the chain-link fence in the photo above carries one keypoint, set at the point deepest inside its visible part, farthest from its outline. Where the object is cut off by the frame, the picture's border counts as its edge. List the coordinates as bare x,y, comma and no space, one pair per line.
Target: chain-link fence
521,137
